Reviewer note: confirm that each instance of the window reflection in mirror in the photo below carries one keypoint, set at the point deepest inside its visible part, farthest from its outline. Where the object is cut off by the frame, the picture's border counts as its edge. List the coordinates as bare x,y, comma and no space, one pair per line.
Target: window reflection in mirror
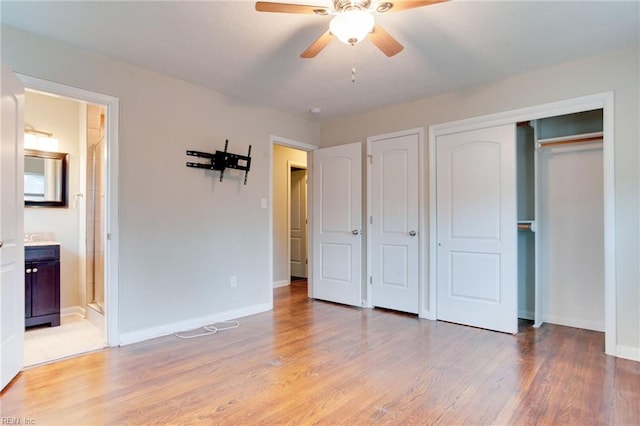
45,178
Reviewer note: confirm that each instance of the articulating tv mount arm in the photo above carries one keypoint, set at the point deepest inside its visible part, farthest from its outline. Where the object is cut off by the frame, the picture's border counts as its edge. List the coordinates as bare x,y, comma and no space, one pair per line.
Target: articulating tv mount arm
222,160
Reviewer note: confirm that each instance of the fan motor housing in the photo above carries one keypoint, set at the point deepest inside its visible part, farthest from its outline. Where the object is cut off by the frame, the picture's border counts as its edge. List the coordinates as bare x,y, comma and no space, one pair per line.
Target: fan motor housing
342,5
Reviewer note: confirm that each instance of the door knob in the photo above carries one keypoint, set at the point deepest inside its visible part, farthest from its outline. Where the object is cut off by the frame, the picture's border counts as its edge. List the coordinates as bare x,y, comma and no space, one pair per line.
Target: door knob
35,270
28,271
355,232
412,233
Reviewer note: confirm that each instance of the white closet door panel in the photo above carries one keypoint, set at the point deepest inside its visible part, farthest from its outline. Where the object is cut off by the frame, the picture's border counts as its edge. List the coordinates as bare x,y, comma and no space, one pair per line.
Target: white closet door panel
476,226
475,191
394,240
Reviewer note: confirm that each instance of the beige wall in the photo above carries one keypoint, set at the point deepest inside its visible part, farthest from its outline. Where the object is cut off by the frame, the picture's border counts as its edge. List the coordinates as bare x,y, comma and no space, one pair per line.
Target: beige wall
281,156
617,72
62,118
183,233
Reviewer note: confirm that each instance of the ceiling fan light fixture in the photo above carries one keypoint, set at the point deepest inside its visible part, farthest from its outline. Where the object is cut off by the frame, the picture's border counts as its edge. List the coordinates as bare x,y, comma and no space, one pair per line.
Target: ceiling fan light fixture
352,26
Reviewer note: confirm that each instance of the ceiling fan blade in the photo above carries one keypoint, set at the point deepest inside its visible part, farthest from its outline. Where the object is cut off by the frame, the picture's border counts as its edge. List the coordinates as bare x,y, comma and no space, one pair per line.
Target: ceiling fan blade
397,5
317,45
265,6
384,41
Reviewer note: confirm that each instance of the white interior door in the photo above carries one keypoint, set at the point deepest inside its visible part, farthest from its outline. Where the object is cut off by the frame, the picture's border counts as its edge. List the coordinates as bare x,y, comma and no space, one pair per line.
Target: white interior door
337,217
477,228
11,229
298,223
394,222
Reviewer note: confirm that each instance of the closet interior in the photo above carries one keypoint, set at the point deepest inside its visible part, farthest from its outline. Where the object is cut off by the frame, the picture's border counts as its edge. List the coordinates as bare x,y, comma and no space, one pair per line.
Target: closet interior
561,220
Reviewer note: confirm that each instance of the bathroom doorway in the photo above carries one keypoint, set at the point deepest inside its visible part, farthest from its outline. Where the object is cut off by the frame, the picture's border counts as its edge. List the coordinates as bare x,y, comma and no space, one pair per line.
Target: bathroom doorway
76,128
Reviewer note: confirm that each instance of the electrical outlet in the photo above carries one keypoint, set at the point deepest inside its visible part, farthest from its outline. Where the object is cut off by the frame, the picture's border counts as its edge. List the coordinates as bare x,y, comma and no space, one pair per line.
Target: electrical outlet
234,281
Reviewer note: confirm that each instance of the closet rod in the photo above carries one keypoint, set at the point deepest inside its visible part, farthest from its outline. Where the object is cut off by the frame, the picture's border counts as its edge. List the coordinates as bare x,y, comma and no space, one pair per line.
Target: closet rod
527,226
590,137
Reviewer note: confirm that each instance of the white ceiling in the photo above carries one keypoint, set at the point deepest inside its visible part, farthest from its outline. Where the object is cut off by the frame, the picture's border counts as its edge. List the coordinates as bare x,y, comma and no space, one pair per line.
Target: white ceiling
231,48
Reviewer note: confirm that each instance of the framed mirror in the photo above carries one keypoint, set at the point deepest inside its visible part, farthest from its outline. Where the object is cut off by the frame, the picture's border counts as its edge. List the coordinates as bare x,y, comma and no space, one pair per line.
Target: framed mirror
45,178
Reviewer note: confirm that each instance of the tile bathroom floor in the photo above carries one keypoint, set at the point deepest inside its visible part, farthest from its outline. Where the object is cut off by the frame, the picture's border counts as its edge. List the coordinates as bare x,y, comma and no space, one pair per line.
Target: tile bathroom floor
75,335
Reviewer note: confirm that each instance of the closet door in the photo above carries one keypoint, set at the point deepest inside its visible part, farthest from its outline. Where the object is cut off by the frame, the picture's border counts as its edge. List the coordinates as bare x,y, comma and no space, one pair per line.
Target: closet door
394,221
477,228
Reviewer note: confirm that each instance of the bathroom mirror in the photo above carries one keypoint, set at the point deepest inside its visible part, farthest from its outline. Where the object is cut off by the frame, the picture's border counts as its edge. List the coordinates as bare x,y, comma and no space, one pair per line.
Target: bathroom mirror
45,178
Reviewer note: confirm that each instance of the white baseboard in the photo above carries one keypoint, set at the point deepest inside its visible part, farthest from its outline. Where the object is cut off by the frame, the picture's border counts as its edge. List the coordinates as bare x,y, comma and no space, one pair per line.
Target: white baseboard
628,352
281,283
73,310
572,322
190,324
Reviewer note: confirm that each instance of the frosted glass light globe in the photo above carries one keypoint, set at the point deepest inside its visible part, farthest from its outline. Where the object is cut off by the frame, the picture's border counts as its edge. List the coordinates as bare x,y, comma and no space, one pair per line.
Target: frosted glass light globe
352,26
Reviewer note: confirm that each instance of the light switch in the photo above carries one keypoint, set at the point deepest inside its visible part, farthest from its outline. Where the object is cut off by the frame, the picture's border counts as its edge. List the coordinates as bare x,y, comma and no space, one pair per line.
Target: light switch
263,203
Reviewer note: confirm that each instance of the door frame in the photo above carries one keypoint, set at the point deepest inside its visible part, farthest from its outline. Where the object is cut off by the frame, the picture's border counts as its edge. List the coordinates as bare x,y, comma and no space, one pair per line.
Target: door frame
112,105
291,165
604,101
422,226
268,203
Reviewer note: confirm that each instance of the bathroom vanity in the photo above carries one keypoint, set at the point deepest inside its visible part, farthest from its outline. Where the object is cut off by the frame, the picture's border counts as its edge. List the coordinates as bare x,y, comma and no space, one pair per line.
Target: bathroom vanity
42,283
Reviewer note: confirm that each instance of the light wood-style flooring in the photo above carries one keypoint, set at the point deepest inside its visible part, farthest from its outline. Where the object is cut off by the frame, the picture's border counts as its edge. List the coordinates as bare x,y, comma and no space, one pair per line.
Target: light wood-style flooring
313,362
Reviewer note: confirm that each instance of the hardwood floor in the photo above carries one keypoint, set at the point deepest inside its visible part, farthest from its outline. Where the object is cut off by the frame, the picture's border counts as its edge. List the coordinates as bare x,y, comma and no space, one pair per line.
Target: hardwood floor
315,362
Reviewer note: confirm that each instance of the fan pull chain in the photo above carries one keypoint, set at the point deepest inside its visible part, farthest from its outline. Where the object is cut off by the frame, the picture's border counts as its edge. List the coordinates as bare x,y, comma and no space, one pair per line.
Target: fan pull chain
353,64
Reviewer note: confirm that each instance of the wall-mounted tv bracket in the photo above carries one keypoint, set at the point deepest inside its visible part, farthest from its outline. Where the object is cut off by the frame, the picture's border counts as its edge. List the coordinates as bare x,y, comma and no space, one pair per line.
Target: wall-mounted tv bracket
223,159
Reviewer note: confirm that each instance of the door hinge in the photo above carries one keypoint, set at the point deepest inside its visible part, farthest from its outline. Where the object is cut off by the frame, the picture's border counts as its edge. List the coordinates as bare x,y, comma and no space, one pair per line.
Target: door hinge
370,159
370,280
108,236
370,220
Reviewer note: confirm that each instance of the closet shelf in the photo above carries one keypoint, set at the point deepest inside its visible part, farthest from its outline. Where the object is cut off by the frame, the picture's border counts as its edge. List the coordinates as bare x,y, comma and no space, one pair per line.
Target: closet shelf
566,140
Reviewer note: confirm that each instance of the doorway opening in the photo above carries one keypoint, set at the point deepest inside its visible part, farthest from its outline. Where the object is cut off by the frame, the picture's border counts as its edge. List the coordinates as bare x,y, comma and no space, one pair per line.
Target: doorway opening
298,155
297,207
289,215
561,220
103,292
77,229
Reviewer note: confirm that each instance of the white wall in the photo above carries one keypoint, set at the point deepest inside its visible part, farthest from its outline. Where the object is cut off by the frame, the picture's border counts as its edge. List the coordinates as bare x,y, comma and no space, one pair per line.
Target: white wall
281,156
617,71
62,118
182,232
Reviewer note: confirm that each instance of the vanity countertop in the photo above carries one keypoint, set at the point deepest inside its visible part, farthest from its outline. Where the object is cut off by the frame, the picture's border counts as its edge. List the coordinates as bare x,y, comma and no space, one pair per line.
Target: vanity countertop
40,243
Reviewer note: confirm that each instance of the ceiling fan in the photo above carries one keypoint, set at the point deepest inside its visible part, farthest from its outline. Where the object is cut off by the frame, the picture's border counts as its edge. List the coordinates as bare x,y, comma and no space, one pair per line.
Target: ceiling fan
352,22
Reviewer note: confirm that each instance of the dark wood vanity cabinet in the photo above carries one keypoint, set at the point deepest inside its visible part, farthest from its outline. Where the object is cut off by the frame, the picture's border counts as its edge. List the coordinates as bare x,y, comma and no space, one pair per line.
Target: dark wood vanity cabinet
42,285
